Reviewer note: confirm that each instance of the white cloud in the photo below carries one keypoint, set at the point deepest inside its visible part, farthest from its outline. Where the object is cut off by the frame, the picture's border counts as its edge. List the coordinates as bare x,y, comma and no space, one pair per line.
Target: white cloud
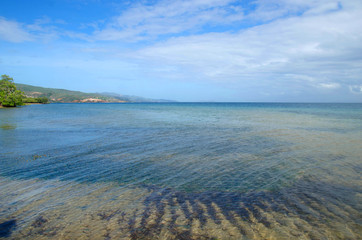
330,85
144,22
356,89
13,31
322,49
324,8
191,17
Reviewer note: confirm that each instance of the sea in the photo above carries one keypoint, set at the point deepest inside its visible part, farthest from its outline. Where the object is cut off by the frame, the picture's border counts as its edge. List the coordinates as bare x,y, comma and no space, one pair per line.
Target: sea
181,171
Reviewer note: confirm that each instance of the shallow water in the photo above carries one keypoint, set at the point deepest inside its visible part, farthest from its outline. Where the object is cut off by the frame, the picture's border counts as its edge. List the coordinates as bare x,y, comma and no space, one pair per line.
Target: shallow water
181,171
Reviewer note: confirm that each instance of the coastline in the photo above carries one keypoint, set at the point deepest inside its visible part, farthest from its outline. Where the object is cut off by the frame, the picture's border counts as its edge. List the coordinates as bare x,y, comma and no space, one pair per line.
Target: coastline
25,104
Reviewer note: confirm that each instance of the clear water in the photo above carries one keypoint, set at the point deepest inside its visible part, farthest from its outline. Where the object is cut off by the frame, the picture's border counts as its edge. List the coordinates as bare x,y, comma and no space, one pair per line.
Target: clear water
181,171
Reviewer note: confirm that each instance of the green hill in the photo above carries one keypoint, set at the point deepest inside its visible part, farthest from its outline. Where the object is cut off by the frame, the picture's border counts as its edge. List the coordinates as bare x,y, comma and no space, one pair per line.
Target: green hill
62,95
67,96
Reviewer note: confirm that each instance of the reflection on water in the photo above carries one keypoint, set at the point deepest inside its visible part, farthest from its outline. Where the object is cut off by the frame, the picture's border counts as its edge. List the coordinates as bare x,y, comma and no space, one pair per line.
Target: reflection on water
182,171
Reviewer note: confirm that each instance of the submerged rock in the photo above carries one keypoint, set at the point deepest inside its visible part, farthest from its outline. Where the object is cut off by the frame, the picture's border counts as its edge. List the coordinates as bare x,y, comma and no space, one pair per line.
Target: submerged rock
7,227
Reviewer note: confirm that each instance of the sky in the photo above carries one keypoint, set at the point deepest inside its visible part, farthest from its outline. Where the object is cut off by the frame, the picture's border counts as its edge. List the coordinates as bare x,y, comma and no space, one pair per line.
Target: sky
199,50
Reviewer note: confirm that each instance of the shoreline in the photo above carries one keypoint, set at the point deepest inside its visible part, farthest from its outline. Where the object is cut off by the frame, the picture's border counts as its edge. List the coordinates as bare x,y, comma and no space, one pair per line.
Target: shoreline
25,104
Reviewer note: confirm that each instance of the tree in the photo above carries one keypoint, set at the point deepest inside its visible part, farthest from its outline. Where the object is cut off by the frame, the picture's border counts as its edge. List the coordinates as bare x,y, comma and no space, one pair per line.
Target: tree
43,100
9,95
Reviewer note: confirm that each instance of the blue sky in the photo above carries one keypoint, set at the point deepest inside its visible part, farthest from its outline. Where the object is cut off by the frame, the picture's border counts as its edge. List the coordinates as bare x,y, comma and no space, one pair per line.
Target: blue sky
200,50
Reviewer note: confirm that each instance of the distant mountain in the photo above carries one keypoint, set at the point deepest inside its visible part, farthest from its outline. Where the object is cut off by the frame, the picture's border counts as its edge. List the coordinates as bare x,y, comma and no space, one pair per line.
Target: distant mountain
67,96
129,98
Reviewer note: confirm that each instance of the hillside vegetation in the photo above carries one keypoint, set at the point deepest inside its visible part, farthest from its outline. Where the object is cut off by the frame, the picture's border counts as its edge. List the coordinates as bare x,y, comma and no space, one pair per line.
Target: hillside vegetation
62,95
67,96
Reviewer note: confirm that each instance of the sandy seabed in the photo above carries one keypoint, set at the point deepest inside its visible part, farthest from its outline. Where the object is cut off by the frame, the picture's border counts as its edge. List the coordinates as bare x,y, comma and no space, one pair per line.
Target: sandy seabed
64,210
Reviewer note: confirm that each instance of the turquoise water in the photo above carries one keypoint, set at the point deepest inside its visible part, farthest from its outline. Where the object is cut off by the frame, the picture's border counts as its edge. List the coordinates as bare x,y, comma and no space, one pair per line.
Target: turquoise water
181,171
